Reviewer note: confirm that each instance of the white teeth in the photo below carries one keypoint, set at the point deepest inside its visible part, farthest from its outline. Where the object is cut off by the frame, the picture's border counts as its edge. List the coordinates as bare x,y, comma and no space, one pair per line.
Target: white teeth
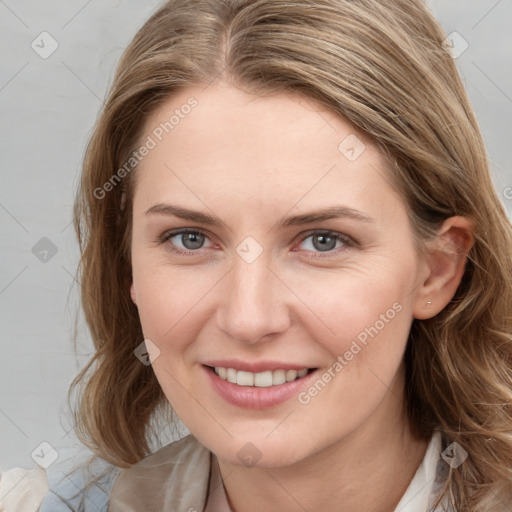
244,378
231,375
263,379
291,375
260,380
278,377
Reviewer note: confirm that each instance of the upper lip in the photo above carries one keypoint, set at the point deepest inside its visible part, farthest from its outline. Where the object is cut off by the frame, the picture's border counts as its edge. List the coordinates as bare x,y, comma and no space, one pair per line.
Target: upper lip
255,366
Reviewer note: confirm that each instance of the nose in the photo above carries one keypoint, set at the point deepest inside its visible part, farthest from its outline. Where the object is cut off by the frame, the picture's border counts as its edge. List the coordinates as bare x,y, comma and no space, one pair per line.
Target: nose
253,304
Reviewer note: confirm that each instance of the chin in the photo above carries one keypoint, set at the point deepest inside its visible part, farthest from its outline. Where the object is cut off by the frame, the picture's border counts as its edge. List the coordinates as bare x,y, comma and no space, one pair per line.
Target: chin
256,451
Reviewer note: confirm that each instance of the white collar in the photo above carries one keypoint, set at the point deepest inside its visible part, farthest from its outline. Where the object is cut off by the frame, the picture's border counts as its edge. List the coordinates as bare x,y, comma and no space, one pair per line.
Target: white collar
418,497
420,494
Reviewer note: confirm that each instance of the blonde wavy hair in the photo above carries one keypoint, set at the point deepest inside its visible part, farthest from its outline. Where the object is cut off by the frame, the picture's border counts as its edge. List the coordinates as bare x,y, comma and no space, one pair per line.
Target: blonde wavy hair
379,64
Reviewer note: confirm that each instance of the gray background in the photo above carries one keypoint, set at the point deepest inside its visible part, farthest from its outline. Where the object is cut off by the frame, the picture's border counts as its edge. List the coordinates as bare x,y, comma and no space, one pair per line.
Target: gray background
49,106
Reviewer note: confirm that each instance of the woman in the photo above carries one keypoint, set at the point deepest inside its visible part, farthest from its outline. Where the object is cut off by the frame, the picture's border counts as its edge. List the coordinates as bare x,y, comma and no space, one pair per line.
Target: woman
289,234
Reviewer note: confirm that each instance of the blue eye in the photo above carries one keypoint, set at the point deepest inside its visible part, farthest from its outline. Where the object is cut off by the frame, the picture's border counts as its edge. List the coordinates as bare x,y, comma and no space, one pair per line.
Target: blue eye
191,240
186,241
325,241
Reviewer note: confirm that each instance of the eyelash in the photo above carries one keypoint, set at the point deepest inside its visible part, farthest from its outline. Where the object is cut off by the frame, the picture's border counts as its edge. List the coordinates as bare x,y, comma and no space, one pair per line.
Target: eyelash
347,241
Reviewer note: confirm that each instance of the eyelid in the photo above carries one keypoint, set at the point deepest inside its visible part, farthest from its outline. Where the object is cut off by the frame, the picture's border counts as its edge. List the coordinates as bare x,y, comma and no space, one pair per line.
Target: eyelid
347,241
164,238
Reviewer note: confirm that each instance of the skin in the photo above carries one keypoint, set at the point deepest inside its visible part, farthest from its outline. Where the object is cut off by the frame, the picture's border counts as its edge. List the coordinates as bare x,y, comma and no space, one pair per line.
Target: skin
251,161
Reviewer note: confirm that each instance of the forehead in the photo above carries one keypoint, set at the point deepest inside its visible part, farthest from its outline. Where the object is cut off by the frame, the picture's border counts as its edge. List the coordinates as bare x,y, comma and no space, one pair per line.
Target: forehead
220,143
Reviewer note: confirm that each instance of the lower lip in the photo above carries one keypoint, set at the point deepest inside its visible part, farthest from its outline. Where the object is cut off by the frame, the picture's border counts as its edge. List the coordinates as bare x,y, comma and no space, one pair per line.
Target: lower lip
252,397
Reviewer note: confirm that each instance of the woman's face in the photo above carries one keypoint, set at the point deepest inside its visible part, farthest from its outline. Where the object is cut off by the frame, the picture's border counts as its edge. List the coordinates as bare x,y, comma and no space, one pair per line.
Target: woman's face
297,255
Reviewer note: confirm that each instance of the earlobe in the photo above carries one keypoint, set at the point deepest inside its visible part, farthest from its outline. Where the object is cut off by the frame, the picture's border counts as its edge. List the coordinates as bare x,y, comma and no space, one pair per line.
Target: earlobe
445,262
132,293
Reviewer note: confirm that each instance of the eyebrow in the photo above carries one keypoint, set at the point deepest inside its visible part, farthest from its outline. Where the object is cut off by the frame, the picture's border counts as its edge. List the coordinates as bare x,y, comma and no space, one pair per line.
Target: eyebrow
331,212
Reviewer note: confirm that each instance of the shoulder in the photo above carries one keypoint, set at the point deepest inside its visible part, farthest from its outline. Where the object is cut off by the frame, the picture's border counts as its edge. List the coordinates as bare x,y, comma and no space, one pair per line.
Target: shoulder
85,487
97,486
176,475
22,490
78,480
185,451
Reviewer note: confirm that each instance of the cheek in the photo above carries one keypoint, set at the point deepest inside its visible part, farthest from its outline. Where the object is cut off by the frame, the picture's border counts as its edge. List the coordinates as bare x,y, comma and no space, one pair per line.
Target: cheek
359,302
169,301
357,305
371,318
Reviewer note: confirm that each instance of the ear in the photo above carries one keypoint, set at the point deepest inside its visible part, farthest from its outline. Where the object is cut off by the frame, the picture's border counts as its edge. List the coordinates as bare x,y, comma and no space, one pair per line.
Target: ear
445,262
132,293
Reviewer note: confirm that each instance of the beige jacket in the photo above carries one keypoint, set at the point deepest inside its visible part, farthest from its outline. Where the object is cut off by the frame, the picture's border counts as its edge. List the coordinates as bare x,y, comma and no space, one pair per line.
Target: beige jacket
184,477
176,478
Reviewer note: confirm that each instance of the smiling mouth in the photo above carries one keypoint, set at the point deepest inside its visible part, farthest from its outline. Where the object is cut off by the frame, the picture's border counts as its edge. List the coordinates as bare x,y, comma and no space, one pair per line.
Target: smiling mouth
262,379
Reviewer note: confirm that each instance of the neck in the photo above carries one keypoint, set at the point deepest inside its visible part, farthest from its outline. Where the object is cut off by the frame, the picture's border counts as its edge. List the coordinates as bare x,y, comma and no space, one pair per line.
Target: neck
369,469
